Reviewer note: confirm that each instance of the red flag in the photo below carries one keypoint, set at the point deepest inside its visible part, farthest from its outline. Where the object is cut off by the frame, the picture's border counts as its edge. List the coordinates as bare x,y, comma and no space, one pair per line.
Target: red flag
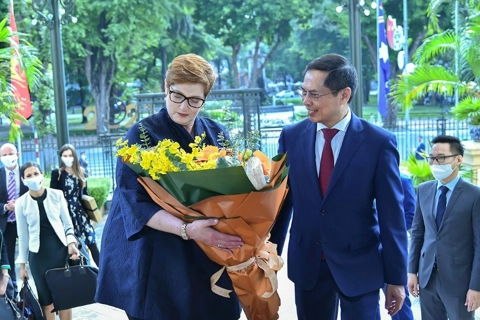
19,81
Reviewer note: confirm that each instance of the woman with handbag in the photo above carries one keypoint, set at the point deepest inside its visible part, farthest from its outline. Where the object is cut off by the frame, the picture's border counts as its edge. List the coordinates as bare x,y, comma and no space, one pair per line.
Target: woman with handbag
45,234
6,287
70,178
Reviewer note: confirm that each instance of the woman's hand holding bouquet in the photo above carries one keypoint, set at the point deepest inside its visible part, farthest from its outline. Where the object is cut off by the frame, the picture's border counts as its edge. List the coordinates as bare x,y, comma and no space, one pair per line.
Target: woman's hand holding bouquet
237,192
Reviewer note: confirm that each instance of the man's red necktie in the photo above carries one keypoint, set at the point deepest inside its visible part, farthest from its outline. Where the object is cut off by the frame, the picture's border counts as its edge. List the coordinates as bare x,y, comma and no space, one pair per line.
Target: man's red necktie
327,161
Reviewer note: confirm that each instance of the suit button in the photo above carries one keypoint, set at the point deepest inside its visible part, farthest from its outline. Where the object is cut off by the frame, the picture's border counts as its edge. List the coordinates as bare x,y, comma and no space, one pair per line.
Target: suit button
319,242
323,212
438,238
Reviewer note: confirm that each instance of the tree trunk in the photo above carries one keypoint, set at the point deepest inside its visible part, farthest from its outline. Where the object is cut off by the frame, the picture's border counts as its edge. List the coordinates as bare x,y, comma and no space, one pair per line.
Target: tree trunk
258,70
164,66
99,70
391,121
236,76
372,52
416,44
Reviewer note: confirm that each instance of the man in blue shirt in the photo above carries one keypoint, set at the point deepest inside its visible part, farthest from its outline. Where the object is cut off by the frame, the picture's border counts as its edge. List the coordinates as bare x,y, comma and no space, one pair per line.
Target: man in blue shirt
420,149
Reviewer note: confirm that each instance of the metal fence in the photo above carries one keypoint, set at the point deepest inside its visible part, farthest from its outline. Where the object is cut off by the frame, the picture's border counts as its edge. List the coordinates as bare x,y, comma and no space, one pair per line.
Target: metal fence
100,150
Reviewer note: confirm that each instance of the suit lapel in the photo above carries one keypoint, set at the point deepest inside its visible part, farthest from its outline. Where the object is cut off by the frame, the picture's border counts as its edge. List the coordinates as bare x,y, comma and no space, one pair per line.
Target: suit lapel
310,134
3,183
430,194
455,193
352,141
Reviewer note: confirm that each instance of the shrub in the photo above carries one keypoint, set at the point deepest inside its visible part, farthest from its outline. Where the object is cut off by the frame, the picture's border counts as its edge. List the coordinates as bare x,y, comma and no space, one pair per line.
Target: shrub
99,188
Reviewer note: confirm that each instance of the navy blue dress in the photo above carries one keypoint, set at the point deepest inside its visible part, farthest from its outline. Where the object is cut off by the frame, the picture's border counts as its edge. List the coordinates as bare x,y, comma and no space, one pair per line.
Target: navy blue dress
151,274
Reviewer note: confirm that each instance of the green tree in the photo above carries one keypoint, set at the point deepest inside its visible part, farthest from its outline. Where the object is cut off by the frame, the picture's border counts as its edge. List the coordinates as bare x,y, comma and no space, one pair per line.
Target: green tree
430,75
108,33
237,23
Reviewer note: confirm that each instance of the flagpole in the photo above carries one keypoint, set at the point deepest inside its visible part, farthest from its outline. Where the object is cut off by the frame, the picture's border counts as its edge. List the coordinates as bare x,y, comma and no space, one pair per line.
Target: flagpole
383,64
379,115
356,54
19,148
405,51
457,66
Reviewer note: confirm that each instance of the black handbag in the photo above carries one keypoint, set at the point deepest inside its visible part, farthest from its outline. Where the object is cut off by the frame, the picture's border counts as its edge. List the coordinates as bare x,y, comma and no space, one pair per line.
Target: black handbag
29,305
72,286
9,310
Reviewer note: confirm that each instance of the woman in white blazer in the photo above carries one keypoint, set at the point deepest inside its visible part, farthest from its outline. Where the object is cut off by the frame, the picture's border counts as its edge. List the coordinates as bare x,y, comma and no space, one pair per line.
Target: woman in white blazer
45,234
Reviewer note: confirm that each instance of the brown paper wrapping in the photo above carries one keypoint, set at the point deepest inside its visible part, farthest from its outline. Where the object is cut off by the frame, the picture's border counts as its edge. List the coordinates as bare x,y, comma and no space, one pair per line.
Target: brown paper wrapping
250,216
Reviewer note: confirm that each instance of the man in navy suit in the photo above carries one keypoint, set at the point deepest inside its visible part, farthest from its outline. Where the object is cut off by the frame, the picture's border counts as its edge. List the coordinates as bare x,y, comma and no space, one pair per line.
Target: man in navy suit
409,199
8,226
341,247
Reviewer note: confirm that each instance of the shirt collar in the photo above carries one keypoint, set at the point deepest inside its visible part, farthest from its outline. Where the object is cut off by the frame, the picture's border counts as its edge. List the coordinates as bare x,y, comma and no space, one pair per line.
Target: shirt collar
450,185
16,171
340,126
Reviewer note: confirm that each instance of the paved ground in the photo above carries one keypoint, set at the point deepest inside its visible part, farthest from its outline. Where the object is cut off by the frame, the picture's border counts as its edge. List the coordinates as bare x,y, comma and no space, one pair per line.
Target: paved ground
286,289
287,309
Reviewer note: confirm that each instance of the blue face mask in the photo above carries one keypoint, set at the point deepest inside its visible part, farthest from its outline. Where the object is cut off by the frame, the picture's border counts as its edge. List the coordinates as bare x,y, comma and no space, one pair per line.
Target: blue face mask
34,183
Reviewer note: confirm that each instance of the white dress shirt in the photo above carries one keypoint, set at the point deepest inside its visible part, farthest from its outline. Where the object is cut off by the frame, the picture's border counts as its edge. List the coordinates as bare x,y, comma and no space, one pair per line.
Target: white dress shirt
337,141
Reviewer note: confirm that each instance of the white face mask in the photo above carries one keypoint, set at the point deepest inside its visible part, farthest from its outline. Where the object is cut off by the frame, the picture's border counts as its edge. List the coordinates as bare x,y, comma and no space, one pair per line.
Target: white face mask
442,171
9,161
34,183
68,161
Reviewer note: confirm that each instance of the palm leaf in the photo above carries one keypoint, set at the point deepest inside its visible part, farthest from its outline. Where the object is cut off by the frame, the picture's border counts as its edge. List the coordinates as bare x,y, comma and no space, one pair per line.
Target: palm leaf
468,108
432,13
418,169
434,46
423,80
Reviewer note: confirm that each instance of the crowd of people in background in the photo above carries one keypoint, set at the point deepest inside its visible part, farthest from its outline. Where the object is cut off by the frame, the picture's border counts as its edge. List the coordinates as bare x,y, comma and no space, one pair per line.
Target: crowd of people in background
49,223
349,214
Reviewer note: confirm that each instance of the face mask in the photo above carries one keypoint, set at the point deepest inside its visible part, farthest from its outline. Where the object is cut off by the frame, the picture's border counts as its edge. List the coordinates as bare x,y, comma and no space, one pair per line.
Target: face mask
9,161
68,161
441,171
34,183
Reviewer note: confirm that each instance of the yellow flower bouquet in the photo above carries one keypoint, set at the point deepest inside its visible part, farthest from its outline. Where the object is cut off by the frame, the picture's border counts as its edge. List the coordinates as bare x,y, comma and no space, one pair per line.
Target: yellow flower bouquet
228,185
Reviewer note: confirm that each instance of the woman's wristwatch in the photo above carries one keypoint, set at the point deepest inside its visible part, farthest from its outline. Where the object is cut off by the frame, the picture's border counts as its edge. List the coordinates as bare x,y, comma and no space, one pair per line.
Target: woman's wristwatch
183,231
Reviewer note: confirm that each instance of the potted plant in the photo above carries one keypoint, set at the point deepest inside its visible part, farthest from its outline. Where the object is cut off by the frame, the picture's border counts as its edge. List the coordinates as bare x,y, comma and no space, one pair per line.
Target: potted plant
469,109
419,170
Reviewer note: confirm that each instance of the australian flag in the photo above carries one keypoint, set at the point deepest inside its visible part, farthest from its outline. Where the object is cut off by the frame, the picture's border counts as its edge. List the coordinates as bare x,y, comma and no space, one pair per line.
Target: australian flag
383,63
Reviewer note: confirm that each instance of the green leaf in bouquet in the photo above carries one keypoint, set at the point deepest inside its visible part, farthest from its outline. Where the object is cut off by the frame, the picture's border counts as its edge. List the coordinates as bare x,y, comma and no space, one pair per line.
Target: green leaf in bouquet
190,187
137,168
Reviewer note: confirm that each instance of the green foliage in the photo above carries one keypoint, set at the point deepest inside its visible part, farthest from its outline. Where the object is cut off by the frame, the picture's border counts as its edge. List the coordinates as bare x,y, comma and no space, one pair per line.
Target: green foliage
418,169
44,106
468,108
221,111
9,51
99,188
144,136
446,45
264,24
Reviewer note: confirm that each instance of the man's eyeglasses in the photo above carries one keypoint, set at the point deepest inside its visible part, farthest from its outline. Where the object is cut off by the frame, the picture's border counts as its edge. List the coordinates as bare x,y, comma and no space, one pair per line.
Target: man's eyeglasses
177,97
439,159
314,96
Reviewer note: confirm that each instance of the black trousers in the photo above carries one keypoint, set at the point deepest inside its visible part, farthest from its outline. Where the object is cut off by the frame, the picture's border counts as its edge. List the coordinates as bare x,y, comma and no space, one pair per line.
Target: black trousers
10,236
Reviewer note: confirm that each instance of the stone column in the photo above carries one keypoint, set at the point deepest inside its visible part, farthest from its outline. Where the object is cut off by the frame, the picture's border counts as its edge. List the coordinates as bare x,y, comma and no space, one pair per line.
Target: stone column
471,158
